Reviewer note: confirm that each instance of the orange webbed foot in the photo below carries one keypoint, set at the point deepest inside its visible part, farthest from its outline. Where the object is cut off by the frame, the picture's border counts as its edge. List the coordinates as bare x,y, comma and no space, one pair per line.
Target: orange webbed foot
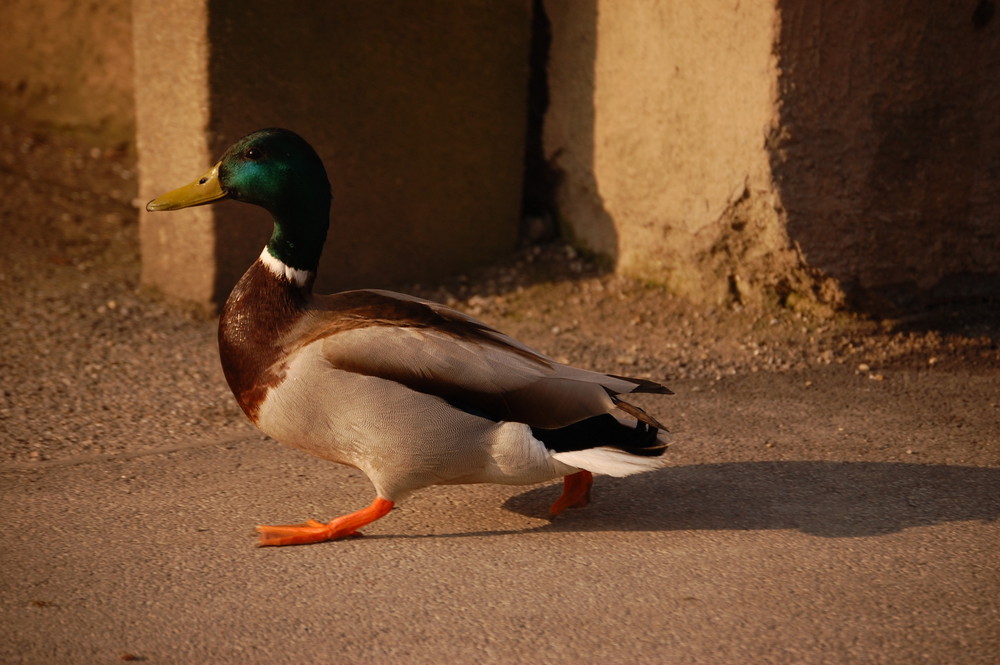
317,532
576,492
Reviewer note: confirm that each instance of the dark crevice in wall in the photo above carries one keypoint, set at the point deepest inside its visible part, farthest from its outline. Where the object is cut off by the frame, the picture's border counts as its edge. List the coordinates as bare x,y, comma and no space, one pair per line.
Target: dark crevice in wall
983,13
540,179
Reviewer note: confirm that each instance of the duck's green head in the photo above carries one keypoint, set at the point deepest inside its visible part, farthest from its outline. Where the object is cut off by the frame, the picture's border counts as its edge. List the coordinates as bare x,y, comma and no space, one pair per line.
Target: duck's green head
279,171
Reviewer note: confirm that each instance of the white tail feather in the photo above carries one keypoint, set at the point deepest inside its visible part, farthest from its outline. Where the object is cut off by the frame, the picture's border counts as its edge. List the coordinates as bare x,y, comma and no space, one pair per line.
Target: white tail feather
609,461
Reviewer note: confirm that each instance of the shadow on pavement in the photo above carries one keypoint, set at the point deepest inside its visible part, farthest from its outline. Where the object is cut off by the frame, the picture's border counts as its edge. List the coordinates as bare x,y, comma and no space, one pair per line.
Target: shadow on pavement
828,499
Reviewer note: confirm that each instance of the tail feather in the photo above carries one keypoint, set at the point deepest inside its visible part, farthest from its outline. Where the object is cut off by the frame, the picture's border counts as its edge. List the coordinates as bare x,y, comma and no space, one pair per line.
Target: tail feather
610,461
605,431
644,385
637,413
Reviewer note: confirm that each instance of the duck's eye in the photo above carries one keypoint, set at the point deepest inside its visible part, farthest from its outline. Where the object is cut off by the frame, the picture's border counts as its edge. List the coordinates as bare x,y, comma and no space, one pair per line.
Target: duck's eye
253,154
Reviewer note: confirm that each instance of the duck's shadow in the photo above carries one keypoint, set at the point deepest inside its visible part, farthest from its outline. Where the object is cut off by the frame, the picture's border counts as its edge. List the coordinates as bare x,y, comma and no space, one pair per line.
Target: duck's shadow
827,499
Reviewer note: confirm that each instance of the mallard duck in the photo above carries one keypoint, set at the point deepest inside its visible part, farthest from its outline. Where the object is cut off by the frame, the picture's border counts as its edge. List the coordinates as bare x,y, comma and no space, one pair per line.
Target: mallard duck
409,391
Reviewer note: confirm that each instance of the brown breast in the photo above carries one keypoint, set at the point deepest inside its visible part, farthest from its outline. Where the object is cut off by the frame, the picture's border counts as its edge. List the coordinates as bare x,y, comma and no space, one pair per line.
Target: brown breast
260,310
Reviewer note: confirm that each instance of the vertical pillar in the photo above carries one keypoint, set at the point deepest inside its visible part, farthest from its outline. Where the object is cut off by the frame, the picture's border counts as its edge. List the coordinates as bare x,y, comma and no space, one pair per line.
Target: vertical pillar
172,117
658,120
417,109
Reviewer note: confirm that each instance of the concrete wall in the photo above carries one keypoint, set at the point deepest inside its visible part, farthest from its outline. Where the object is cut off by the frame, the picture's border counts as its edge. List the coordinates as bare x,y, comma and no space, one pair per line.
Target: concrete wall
789,149
68,66
418,112
658,119
889,158
785,149
173,140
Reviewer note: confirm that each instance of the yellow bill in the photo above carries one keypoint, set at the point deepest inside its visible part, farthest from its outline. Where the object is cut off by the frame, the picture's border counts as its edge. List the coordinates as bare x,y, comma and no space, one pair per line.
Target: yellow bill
203,190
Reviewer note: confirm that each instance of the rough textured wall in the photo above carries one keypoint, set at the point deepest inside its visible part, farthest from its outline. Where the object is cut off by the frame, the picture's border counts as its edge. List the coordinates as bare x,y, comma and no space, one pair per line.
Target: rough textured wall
172,114
725,149
889,160
569,126
418,113
790,148
68,65
659,117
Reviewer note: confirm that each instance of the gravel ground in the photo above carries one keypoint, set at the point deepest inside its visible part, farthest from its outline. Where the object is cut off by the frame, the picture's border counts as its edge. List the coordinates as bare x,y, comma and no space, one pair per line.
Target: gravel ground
94,366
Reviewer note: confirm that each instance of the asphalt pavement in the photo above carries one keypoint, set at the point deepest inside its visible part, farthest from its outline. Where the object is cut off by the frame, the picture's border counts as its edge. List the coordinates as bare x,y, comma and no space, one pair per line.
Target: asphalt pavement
820,519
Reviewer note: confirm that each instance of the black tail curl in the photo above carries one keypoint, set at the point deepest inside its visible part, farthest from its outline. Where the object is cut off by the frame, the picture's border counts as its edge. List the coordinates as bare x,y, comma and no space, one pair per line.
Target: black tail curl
603,430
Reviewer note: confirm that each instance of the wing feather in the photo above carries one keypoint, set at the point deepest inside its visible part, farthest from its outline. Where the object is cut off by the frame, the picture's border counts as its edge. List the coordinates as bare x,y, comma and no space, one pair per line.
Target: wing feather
437,350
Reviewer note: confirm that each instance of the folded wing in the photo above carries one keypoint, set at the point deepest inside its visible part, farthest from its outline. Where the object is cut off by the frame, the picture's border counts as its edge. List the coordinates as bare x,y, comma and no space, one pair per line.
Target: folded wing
439,351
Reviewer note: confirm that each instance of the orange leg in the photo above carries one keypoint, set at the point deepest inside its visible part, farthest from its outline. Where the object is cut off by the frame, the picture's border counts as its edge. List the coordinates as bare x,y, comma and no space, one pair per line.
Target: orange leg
316,532
576,492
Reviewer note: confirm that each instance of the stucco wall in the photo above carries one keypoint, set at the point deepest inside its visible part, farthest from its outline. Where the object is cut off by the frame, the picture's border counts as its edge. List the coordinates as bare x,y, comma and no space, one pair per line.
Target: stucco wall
727,149
172,121
889,162
418,113
68,66
734,149
658,119
418,109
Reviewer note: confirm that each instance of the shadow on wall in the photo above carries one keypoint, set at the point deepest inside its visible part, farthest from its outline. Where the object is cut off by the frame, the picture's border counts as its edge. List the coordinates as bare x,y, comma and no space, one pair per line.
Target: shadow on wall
418,115
570,128
827,499
889,157
541,180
